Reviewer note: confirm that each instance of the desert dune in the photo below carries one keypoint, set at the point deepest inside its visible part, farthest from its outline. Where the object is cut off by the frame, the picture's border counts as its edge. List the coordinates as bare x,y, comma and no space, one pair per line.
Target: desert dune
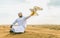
32,31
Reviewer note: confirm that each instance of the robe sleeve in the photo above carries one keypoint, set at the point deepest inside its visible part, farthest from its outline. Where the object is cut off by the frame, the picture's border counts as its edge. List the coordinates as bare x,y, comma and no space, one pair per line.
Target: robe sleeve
14,22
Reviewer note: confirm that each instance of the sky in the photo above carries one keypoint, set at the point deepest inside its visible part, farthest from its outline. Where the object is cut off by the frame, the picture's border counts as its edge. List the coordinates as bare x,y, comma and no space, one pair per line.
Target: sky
55,2
49,15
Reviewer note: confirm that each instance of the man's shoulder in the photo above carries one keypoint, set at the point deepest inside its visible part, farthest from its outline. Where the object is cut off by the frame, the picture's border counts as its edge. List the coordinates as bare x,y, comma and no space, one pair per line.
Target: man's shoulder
17,18
24,17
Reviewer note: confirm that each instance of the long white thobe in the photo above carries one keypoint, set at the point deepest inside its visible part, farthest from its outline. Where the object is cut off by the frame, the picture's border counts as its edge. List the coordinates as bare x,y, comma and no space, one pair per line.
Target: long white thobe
21,24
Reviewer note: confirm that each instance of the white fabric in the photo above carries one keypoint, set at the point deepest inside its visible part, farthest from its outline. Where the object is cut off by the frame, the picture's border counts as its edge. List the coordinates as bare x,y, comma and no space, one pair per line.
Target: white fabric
18,29
21,25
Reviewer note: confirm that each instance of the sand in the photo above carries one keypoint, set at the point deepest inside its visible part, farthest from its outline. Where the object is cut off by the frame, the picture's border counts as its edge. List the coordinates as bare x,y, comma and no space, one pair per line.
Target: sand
32,31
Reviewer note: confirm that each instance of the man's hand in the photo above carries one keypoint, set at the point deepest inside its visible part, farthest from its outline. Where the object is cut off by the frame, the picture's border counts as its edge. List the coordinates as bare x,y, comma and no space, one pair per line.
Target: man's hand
33,12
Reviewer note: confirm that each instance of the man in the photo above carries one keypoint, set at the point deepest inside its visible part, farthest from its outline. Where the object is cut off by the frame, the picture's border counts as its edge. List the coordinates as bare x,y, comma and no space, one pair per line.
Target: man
21,21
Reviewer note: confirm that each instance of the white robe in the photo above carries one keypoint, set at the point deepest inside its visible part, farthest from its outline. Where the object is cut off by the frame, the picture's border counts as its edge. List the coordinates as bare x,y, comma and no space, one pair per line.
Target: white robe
21,25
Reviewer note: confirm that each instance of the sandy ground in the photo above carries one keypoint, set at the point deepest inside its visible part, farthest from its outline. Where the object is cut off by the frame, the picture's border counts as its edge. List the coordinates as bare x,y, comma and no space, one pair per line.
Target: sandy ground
33,31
